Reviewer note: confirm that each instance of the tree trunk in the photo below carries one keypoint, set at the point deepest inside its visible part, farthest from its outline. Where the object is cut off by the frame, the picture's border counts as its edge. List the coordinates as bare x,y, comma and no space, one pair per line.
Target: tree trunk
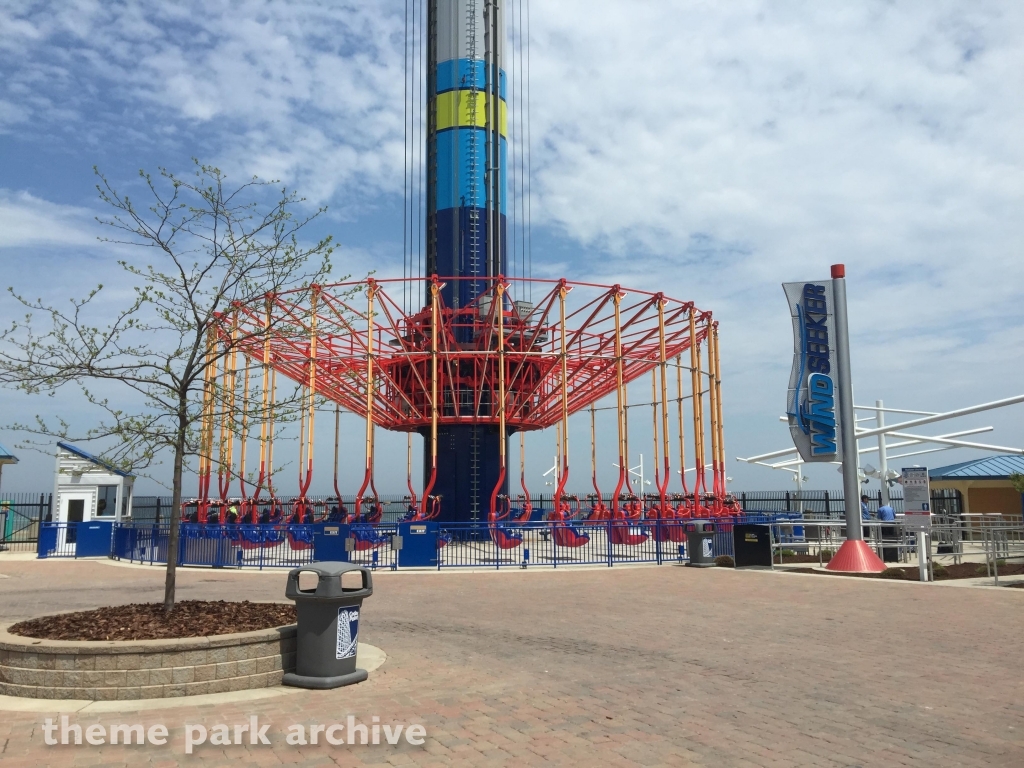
175,516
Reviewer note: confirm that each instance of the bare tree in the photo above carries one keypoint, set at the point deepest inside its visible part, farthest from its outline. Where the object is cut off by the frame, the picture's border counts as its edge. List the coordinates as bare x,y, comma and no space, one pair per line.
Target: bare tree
201,247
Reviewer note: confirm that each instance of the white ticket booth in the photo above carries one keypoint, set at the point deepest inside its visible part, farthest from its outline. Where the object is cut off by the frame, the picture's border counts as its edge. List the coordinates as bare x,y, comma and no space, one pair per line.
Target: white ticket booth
88,488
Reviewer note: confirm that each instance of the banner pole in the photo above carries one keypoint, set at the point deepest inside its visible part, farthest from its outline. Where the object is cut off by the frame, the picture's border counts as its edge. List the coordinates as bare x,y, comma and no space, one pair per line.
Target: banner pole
847,421
854,555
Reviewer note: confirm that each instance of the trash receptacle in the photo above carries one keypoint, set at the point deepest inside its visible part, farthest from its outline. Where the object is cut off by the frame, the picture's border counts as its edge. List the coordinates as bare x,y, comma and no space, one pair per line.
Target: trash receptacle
701,546
752,545
328,626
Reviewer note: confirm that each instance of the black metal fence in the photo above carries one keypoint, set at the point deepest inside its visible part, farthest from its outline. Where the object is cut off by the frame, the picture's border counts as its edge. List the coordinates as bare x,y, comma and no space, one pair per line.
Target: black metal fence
945,502
21,514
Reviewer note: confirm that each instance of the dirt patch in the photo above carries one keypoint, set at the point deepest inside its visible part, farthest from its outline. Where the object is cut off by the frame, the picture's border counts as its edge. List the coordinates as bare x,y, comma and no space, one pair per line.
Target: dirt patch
147,621
942,573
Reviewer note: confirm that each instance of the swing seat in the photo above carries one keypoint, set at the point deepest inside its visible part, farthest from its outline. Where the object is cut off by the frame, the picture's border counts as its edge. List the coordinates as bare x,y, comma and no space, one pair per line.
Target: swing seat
300,537
660,523
257,537
566,534
623,533
669,530
521,514
570,536
367,537
504,537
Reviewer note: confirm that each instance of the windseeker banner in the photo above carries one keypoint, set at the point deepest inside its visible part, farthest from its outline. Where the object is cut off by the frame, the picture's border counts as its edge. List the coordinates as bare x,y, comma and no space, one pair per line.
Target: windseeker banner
813,404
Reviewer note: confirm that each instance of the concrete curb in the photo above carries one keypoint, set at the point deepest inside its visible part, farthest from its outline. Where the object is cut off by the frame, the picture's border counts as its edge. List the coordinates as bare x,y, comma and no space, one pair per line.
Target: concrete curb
144,669
368,657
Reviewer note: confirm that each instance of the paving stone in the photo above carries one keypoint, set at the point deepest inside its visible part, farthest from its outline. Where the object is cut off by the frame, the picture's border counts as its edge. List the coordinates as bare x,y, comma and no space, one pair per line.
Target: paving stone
637,666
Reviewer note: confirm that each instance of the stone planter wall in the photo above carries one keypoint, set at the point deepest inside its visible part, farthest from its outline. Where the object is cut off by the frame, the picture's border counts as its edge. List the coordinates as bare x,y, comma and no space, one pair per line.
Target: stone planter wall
144,669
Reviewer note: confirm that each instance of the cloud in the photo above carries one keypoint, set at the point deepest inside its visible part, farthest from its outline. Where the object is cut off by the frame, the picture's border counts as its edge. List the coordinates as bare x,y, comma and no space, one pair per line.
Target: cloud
303,91
719,150
29,221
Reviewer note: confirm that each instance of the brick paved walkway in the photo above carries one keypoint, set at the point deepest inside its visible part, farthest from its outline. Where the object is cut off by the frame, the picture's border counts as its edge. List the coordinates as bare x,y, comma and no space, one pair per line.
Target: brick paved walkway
645,666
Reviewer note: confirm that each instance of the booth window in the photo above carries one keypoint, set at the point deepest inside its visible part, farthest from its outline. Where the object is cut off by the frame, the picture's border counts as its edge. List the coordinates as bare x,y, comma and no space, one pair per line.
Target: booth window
106,504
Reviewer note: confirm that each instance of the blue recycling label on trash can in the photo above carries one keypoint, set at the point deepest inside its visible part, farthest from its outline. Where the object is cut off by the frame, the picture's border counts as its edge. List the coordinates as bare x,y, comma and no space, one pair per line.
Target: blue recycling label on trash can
706,547
348,632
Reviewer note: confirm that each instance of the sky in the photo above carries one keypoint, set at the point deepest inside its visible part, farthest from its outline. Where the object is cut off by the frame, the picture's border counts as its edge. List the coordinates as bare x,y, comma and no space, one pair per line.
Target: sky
710,150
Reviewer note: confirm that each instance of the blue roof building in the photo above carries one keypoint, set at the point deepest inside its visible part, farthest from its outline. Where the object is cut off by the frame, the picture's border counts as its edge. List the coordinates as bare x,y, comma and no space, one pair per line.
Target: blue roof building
984,484
6,457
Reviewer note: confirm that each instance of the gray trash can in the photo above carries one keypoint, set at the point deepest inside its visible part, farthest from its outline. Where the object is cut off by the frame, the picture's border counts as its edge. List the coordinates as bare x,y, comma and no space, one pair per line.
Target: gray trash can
328,626
701,546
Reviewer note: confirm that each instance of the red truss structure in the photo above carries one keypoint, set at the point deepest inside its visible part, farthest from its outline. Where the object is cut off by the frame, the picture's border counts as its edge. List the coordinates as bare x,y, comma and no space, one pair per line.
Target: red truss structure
374,359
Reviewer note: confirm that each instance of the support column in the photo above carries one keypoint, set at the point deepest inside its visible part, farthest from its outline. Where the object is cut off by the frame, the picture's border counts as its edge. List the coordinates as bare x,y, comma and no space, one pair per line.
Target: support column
854,555
883,457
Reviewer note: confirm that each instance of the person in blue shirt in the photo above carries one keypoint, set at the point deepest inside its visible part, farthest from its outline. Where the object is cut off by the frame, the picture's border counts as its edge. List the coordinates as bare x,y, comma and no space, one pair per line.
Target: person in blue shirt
890,534
865,515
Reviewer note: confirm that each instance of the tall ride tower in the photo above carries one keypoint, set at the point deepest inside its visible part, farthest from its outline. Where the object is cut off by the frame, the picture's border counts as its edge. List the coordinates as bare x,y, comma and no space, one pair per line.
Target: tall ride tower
466,156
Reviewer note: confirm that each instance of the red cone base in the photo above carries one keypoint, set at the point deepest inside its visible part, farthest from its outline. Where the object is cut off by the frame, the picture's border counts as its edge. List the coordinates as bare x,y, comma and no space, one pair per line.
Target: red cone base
855,556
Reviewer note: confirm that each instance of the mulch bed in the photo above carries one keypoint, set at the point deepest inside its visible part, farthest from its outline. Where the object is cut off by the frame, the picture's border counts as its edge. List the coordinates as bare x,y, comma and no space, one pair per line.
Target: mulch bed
947,572
147,621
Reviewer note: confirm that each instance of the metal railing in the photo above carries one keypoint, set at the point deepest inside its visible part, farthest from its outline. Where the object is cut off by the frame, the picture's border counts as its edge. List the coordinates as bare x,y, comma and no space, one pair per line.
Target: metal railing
985,538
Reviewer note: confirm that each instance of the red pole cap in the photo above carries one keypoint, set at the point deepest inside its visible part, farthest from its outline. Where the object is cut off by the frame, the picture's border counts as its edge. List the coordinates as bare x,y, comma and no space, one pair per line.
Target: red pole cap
838,270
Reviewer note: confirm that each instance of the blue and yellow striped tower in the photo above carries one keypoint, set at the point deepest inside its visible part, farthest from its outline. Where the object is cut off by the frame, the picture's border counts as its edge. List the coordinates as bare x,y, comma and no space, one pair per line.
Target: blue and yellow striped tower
466,159
466,145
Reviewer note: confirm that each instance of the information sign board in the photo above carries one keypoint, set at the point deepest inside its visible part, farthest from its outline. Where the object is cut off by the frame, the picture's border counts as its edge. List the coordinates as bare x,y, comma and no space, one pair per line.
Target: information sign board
917,499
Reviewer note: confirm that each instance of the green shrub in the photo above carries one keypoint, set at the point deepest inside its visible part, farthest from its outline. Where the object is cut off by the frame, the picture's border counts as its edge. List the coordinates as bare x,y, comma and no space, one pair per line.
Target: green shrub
985,570
826,555
939,571
788,553
893,573
725,561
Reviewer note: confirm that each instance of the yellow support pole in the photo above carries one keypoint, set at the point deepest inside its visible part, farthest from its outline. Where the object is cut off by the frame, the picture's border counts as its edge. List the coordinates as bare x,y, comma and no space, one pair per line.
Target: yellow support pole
265,396
682,431
564,448
245,428
713,405
666,469
270,438
654,419
619,404
699,484
311,390
718,404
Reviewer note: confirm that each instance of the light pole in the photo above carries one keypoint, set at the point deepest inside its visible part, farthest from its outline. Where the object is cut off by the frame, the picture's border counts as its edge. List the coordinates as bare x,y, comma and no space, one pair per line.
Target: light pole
883,457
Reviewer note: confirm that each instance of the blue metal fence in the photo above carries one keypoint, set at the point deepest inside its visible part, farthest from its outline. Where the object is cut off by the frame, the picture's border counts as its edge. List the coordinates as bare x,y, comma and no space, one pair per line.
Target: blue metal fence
88,539
460,545
251,546
606,542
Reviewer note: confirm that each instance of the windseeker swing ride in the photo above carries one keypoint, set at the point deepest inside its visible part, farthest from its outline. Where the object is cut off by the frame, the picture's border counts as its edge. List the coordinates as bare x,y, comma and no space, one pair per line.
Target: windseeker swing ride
525,367
459,351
